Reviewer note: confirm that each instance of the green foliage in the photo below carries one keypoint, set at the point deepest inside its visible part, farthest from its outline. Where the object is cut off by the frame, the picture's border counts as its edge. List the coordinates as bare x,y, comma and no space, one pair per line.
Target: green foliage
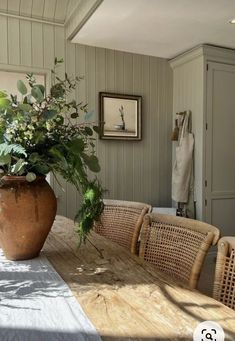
6,148
39,134
21,87
30,177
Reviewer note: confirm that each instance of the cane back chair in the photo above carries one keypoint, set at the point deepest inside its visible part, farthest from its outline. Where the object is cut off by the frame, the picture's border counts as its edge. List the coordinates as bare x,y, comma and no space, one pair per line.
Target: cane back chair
224,283
176,245
121,222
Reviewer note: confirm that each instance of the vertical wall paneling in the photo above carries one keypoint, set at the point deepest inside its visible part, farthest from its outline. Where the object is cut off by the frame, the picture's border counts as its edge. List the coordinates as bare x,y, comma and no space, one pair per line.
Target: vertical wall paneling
4,40
71,192
38,8
146,126
61,188
164,102
110,161
25,43
26,7
60,48
13,41
139,170
37,44
91,83
61,9
153,146
48,46
80,70
128,146
3,5
49,9
13,6
137,147
100,78
118,148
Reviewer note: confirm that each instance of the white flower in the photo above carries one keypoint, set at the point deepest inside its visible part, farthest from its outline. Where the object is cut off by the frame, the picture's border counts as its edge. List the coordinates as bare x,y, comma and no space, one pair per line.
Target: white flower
34,119
22,126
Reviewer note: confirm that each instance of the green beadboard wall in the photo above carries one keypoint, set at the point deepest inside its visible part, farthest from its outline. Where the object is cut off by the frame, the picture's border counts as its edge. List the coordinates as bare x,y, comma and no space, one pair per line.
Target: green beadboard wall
140,170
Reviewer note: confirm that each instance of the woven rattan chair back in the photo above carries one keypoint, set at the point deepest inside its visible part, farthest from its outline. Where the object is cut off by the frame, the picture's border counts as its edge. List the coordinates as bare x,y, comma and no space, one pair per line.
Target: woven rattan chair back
121,222
224,283
177,246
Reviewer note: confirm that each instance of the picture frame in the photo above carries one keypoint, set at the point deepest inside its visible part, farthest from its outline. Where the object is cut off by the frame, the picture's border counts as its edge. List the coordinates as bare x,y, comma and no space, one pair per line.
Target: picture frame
119,116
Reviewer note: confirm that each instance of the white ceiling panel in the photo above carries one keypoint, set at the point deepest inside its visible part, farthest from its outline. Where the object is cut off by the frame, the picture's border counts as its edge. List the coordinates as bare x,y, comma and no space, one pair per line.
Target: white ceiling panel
161,28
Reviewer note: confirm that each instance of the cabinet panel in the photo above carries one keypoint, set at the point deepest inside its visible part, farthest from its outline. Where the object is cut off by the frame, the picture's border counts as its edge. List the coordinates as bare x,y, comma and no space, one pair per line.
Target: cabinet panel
223,212
223,130
220,156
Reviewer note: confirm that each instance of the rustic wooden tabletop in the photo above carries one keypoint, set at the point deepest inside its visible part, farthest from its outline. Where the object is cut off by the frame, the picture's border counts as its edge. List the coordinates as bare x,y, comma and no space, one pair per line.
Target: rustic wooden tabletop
125,298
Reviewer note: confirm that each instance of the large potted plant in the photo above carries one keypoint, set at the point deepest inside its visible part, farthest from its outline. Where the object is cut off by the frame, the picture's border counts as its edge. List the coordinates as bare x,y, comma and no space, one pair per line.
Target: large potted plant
39,134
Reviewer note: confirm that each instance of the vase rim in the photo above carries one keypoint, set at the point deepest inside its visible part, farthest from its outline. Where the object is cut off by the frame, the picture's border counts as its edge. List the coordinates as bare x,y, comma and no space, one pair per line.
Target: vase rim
20,178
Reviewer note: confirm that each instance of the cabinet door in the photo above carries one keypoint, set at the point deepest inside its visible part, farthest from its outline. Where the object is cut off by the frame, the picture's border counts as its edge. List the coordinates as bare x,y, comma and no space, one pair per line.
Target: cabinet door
220,148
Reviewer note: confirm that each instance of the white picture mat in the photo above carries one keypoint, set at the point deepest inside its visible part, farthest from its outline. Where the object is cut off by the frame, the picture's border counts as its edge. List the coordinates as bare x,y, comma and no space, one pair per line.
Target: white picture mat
112,116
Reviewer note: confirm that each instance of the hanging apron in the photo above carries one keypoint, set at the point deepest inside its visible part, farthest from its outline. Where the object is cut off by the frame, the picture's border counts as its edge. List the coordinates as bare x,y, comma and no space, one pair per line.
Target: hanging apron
183,164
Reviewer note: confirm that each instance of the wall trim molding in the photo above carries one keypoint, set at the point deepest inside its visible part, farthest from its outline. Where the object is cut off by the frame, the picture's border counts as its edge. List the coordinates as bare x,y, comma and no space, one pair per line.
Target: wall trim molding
24,17
80,16
210,52
186,56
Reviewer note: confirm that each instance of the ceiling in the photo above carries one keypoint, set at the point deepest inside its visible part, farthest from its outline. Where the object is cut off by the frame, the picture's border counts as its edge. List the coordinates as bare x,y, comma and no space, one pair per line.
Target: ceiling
163,28
57,11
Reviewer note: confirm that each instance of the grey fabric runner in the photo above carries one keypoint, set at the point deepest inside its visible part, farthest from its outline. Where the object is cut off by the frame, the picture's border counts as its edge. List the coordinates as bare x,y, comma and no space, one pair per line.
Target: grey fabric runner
37,305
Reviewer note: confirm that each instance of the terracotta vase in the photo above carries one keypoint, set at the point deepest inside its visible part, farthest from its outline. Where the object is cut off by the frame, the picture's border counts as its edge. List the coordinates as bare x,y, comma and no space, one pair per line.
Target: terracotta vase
27,212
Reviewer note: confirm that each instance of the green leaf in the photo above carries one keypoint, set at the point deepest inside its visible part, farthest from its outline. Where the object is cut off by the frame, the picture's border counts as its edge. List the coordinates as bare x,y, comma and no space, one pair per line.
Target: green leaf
55,152
92,162
42,168
96,129
25,107
18,168
4,102
88,115
34,157
30,177
3,94
36,93
6,148
21,87
5,159
49,114
76,146
88,131
39,136
74,115
29,99
58,61
89,194
41,87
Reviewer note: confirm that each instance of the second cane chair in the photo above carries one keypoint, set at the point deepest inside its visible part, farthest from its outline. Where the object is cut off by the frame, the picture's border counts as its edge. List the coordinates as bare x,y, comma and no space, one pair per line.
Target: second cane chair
177,246
224,284
121,222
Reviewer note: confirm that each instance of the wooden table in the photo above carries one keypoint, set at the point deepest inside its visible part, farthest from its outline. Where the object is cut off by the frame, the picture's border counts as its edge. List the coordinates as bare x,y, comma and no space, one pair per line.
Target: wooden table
125,298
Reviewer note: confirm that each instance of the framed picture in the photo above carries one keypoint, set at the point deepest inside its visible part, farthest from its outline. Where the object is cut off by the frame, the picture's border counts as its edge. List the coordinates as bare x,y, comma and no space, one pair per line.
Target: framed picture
120,116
